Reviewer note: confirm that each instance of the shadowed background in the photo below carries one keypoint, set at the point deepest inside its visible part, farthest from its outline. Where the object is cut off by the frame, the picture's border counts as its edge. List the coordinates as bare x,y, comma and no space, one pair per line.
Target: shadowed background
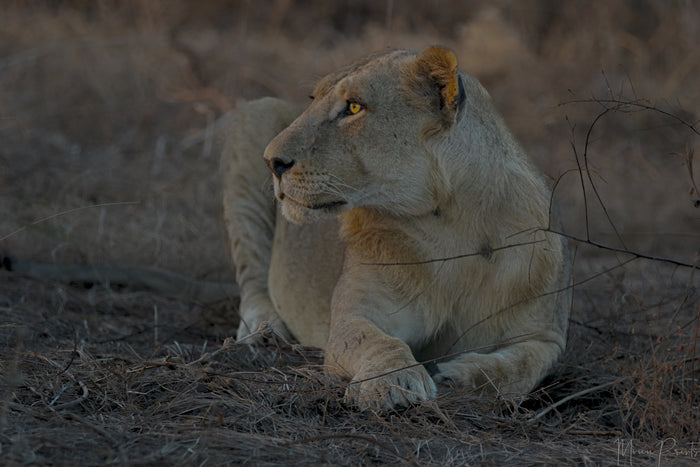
106,102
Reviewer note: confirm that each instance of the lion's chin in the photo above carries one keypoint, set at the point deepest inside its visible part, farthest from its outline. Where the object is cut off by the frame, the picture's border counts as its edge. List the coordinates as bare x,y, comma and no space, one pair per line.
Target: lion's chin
302,214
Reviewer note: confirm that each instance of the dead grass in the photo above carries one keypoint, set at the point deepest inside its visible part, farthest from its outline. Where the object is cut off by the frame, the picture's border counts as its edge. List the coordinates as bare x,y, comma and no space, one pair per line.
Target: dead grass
118,102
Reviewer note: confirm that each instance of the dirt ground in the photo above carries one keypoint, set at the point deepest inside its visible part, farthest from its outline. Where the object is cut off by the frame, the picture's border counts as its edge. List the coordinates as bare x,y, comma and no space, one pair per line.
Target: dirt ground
111,120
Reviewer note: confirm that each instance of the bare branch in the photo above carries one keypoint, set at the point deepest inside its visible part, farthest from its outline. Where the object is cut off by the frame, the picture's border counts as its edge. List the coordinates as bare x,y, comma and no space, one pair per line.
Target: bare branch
62,213
627,251
544,412
590,178
485,252
619,106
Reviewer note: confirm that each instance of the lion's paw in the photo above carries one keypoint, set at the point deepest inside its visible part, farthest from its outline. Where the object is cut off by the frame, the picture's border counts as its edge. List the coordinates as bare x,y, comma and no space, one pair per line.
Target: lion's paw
398,389
256,319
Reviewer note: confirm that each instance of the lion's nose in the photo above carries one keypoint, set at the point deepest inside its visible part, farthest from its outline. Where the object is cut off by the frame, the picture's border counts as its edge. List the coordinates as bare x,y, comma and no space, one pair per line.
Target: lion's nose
279,166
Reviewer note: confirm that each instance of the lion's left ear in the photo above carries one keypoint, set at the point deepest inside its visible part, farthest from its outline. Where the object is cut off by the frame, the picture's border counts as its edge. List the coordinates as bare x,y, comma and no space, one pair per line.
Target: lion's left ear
439,66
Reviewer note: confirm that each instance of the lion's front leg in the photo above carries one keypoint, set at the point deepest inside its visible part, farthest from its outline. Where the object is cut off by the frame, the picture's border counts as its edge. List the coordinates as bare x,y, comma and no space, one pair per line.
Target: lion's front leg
382,370
513,370
249,210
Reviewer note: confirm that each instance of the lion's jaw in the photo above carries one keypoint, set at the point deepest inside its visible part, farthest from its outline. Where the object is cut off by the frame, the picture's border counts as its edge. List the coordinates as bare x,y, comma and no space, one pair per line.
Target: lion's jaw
306,198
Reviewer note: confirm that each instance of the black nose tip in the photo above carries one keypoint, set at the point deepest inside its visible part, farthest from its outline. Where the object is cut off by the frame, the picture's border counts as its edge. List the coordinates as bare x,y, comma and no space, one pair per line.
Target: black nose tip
279,166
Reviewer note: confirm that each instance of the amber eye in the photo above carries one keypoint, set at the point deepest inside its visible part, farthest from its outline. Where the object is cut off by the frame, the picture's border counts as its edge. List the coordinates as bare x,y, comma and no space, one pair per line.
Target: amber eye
354,107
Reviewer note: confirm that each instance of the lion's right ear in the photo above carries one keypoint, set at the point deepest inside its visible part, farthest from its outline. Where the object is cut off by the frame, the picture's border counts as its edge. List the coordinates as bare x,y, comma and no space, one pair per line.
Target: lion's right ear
436,71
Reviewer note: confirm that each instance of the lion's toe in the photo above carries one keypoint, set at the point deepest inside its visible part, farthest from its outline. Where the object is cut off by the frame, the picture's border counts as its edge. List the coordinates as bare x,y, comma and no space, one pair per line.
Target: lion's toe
397,390
255,329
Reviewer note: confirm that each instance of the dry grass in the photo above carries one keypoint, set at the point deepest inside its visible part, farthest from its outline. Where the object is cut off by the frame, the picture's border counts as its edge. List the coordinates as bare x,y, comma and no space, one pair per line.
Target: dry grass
118,102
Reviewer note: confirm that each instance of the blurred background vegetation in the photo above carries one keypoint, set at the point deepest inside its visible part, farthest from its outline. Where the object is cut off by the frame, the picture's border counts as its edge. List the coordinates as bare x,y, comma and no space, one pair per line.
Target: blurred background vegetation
118,101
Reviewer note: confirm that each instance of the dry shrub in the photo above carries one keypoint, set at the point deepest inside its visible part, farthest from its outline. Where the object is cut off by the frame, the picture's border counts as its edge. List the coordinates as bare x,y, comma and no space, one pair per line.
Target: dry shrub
658,393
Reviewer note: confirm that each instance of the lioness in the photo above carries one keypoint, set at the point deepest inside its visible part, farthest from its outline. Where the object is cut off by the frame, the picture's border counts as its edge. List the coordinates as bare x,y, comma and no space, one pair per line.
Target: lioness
407,228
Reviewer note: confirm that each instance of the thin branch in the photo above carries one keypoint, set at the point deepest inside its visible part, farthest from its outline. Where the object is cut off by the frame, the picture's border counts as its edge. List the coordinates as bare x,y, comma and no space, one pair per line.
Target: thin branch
689,164
554,189
485,252
580,175
590,178
544,412
84,394
63,213
627,251
638,104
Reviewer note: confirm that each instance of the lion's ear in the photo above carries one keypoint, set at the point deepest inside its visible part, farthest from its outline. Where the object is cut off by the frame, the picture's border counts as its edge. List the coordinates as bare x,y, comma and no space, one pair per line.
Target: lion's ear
439,66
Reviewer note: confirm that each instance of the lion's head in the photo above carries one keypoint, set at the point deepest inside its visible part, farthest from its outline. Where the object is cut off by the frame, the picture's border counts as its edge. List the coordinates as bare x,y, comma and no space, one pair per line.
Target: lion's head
362,141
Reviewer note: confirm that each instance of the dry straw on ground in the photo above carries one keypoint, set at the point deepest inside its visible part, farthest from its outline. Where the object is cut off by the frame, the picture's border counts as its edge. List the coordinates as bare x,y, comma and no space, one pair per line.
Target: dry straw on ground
117,108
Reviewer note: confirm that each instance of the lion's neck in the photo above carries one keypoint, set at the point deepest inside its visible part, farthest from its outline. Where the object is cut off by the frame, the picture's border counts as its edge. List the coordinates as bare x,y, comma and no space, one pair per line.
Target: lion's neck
487,177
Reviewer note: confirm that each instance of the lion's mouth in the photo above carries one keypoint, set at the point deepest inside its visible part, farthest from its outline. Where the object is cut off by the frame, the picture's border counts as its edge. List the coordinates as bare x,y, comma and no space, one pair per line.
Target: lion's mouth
330,205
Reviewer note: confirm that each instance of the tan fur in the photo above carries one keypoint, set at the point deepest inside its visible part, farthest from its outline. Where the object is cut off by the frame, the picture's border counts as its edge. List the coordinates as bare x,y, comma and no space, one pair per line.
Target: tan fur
376,201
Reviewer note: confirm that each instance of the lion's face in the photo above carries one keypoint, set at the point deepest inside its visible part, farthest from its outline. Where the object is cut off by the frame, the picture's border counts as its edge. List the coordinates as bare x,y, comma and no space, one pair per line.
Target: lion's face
361,142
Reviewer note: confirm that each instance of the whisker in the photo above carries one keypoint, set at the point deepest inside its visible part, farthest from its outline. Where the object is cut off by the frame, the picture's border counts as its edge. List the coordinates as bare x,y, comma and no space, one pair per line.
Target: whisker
338,182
